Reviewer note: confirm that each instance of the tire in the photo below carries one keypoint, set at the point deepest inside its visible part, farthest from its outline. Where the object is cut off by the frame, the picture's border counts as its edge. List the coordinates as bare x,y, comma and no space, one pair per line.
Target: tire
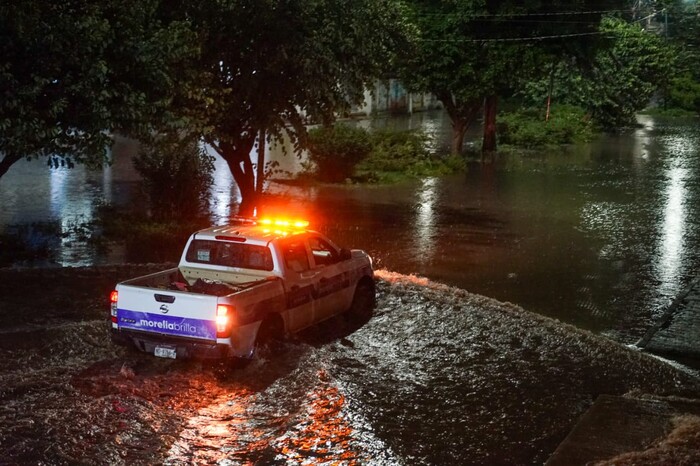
270,334
363,301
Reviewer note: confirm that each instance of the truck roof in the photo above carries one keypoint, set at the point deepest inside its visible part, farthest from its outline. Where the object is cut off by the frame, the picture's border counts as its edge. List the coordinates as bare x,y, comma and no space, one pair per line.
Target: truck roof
249,231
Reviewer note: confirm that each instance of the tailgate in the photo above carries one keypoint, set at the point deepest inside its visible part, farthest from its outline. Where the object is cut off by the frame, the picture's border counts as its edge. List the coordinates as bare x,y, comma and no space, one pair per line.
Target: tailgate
166,312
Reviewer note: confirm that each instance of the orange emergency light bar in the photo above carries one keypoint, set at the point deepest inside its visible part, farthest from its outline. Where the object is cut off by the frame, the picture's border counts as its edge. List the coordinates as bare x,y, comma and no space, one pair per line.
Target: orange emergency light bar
282,222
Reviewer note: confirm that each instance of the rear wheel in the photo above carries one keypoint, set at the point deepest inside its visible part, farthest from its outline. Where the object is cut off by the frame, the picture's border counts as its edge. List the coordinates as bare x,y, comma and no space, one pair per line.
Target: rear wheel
364,301
270,335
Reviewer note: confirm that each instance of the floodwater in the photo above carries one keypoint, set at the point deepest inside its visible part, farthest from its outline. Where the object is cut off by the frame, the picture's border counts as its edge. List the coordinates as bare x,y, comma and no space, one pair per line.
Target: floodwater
602,236
438,376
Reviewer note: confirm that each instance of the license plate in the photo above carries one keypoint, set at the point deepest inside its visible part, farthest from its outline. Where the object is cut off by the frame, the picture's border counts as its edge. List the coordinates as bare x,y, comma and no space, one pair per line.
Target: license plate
165,352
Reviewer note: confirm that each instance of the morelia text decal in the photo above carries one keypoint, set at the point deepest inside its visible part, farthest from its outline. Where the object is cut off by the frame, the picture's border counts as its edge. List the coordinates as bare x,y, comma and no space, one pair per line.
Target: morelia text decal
179,326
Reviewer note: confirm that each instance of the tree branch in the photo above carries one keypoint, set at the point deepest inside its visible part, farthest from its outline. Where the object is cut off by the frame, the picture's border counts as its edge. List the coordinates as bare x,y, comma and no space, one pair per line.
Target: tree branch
7,161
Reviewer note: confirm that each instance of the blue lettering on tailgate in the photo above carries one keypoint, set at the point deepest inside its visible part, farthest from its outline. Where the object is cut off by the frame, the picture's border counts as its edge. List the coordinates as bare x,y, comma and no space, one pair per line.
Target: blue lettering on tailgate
180,326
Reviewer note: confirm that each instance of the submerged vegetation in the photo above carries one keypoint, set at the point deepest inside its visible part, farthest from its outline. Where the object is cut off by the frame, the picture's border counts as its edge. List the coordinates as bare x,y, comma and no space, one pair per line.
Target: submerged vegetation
375,157
529,127
336,150
396,156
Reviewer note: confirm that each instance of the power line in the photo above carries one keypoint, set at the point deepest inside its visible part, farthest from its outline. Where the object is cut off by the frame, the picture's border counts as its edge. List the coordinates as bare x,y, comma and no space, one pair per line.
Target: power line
649,16
538,38
510,15
521,39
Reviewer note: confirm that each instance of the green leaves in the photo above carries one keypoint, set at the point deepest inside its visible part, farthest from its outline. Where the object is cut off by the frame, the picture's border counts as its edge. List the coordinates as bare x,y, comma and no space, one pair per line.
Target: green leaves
626,74
71,72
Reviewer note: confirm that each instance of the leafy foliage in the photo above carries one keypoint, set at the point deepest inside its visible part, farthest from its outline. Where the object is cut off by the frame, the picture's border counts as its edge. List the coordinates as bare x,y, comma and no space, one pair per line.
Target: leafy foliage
528,128
73,72
628,67
626,75
336,150
145,239
684,92
177,175
277,65
396,156
472,49
346,152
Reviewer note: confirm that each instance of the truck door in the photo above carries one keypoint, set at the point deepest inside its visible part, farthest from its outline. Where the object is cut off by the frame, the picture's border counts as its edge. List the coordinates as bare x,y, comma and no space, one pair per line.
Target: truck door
300,283
333,289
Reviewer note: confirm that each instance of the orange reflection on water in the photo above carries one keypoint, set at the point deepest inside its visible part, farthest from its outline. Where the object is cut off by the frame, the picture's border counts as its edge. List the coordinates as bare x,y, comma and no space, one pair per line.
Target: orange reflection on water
233,427
324,436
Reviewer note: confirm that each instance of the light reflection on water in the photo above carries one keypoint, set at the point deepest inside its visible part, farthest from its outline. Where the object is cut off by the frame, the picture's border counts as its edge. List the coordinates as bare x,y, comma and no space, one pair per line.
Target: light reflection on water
426,219
437,376
671,240
224,193
601,236
273,413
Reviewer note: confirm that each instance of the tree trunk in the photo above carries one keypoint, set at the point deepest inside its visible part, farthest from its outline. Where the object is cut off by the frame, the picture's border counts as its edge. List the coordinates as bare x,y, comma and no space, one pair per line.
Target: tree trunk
261,163
6,162
238,160
488,145
459,128
462,115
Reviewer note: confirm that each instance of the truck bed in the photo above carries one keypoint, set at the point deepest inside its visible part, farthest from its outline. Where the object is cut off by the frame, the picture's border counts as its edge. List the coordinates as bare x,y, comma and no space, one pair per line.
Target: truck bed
192,280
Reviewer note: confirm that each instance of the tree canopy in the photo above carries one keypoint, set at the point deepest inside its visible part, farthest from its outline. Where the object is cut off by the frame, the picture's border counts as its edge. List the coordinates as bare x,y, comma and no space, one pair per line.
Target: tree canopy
471,50
71,73
275,66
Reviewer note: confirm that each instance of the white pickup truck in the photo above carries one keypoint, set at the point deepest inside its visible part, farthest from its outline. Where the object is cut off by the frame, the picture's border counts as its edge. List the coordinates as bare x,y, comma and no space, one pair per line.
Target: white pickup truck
239,286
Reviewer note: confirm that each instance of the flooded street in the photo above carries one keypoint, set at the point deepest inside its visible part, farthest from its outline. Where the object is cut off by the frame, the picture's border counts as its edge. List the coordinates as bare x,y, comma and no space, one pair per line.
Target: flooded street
603,236
437,376
600,237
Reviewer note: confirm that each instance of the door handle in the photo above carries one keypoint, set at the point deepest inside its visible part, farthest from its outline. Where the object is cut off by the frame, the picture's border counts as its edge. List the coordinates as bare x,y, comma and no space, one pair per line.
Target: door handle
164,298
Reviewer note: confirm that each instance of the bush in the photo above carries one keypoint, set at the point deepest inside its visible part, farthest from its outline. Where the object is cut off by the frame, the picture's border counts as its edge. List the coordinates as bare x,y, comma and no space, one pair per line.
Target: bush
337,150
684,93
398,155
345,152
177,175
527,128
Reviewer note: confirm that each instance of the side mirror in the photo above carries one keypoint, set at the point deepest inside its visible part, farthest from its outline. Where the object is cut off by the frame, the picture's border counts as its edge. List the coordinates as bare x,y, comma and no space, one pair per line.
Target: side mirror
345,254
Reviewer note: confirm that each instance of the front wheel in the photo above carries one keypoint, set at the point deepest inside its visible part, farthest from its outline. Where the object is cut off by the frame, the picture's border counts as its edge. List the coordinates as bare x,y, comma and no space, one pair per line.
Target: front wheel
363,302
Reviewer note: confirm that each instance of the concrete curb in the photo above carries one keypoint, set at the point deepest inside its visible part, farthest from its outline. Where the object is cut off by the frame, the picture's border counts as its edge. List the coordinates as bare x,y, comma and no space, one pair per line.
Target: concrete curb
615,425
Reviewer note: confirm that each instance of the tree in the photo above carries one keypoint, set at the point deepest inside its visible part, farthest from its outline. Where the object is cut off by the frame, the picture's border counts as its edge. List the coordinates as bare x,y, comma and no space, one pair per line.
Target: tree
626,74
275,66
176,174
74,72
469,51
628,66
683,21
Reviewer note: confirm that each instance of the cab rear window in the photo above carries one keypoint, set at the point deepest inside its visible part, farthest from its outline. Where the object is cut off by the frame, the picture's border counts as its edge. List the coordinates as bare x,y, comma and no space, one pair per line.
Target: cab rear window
244,256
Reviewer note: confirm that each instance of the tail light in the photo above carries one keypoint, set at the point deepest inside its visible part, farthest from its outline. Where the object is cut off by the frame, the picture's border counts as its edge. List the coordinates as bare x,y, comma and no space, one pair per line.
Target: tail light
113,298
224,320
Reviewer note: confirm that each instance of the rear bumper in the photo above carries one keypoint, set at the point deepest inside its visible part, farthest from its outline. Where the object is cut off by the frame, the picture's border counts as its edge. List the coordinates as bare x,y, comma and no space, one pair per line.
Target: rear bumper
185,348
